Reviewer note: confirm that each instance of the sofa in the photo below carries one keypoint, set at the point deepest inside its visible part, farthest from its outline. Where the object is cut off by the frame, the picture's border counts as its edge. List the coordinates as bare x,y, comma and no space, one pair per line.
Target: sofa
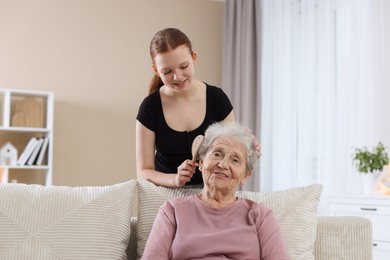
113,222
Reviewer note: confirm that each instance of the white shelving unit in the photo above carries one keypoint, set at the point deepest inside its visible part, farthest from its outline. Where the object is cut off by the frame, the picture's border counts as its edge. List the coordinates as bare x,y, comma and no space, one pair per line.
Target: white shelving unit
375,208
25,114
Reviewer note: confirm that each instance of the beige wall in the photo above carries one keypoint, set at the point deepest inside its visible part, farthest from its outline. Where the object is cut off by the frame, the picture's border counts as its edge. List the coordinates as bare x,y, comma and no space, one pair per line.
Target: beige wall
93,54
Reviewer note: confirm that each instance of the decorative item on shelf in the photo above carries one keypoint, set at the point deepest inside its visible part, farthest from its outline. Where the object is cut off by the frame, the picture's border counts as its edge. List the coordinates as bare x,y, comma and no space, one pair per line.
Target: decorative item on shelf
370,165
8,154
28,112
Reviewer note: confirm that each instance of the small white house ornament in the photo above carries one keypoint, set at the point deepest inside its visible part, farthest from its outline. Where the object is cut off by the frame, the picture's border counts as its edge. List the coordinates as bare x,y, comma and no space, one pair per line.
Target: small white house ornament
8,154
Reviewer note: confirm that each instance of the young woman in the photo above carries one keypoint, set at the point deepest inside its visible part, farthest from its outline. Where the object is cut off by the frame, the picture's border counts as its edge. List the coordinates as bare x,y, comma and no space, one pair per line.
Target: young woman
177,109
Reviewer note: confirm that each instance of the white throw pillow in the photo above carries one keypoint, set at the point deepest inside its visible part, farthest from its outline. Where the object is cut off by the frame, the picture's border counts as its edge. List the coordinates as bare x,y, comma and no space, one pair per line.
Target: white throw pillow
295,210
58,222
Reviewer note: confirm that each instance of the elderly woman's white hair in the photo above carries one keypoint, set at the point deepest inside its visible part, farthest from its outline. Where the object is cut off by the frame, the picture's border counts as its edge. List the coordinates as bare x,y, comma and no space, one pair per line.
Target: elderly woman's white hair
233,130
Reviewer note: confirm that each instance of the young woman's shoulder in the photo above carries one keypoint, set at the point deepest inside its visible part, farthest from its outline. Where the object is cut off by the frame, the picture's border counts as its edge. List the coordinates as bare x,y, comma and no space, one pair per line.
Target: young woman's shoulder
212,87
152,98
149,110
215,91
218,103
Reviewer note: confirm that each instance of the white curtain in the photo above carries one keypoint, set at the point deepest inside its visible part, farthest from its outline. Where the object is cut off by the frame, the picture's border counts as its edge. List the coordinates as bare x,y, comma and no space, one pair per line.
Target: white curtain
322,67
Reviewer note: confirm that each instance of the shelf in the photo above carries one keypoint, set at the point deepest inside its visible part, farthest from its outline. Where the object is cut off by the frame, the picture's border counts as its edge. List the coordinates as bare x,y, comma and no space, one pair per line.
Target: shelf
36,167
24,129
26,115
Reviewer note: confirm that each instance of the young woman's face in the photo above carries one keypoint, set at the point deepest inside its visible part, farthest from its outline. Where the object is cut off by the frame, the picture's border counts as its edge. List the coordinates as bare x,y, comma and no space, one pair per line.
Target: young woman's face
224,166
175,67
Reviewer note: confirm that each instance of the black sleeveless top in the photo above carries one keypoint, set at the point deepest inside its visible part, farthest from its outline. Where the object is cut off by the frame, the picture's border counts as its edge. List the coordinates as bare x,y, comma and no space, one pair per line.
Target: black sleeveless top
173,147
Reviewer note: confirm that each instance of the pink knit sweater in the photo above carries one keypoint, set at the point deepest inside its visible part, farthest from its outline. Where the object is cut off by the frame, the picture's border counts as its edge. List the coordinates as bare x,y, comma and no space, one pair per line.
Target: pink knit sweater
187,228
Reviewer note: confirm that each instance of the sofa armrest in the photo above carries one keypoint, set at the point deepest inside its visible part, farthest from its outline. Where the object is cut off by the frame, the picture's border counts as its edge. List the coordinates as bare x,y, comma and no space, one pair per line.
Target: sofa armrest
343,238
132,248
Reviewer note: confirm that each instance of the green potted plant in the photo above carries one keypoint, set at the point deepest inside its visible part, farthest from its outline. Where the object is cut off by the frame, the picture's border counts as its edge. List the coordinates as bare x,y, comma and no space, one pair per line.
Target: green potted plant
368,162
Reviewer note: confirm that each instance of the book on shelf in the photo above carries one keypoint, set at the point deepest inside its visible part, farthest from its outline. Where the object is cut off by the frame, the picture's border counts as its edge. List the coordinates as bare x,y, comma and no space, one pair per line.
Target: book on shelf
27,151
35,152
42,151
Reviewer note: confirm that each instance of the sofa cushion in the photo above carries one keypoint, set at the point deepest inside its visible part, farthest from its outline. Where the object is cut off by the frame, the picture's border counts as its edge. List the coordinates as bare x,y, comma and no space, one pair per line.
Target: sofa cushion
295,210
58,222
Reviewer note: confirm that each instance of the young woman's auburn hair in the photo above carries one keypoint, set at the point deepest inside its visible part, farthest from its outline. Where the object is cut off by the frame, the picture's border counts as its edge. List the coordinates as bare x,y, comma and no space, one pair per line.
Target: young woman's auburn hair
164,41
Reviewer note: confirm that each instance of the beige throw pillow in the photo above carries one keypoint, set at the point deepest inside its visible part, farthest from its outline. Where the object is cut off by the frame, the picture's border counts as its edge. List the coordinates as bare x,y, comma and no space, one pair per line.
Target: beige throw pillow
57,222
295,210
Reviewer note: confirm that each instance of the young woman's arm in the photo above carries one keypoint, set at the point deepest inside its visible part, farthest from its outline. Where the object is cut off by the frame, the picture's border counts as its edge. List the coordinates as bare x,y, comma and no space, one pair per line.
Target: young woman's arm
145,152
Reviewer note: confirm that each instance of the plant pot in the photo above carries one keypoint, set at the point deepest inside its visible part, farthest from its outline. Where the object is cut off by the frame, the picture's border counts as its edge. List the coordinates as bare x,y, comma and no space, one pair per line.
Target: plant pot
369,181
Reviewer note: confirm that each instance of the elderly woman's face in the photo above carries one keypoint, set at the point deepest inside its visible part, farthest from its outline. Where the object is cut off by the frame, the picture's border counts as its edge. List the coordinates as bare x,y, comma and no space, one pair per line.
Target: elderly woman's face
224,166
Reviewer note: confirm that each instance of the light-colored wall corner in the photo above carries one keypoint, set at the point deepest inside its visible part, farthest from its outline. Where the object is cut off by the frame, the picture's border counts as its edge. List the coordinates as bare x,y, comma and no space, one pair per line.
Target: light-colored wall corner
385,85
94,56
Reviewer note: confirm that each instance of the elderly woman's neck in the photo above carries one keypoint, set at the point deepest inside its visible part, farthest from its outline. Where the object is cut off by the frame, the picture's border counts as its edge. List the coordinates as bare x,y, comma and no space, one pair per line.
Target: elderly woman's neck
217,199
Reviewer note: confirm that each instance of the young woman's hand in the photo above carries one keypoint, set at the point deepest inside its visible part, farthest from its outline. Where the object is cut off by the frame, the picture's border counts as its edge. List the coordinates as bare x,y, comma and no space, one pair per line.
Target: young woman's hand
185,171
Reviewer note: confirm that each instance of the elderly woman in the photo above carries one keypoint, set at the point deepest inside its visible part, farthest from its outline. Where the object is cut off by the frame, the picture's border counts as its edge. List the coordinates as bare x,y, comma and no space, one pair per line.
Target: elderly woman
216,224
